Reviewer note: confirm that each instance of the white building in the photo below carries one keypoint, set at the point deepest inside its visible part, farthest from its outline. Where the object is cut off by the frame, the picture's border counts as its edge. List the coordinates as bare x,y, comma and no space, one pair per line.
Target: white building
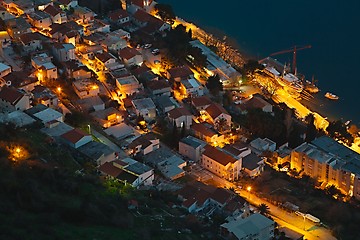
192,148
145,107
254,227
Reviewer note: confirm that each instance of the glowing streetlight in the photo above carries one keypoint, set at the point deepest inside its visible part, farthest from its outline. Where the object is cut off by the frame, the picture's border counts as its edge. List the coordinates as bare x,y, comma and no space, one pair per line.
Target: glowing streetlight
89,128
59,89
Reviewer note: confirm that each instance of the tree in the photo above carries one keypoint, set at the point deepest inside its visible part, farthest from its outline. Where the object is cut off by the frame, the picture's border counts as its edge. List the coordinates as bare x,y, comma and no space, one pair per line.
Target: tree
165,12
198,58
338,130
311,130
263,209
214,84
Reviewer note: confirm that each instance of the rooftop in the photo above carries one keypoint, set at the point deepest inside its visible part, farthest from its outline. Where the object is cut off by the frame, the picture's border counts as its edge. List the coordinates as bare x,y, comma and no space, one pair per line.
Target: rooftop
218,155
145,103
193,142
74,135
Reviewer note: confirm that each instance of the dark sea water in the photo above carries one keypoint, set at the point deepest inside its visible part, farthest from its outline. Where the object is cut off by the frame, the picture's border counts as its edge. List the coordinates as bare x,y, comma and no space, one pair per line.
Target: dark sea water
262,27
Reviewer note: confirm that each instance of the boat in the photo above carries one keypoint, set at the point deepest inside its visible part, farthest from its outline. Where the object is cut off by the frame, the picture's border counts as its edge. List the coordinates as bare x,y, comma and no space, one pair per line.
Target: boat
291,81
331,96
311,87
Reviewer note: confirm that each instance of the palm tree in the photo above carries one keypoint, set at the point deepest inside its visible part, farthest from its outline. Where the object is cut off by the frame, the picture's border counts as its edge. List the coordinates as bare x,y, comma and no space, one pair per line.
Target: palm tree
263,209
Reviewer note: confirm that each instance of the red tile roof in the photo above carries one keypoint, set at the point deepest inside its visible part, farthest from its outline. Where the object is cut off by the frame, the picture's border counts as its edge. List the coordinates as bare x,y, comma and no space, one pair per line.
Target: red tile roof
52,11
10,95
118,14
144,141
218,155
158,84
109,169
178,112
215,110
74,135
201,101
181,72
202,129
103,57
128,53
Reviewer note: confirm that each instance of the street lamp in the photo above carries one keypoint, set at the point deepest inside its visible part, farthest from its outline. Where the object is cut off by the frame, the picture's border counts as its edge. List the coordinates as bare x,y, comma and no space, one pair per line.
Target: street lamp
89,128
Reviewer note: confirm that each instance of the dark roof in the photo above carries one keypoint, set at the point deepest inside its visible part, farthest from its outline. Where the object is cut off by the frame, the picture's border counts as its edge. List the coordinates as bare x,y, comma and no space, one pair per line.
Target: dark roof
28,37
251,161
10,95
109,169
218,155
128,53
158,84
74,135
51,10
203,129
201,101
19,79
143,140
103,57
215,110
118,14
178,112
181,72
126,176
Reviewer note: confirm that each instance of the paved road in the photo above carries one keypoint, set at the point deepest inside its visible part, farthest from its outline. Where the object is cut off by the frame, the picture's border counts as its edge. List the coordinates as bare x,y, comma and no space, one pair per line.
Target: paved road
282,217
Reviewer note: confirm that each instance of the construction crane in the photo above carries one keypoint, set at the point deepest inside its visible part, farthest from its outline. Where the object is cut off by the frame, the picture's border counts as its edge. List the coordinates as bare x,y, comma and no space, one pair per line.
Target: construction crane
294,50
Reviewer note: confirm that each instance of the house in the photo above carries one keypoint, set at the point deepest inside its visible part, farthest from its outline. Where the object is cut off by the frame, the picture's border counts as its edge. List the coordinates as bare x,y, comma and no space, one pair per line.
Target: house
253,227
98,152
207,133
71,36
45,114
253,165
67,4
31,42
45,96
149,23
22,80
75,69
180,117
191,87
106,61
17,26
221,163
144,144
256,102
260,145
145,107
201,103
12,99
19,7
165,103
218,116
131,56
119,17
42,4
85,88
173,167
4,70
197,196
76,138
144,74
192,148
63,51
40,19
129,171
56,14
18,118
120,131
89,104
113,43
159,88
84,15
179,73
134,5
128,85
108,117
46,70
98,26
